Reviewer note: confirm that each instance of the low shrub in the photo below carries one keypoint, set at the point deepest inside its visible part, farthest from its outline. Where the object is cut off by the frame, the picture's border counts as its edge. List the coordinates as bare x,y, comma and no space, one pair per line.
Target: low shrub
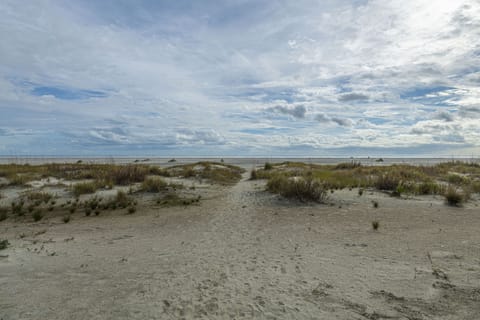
300,188
268,166
430,187
253,174
453,197
125,175
348,165
3,214
17,208
39,196
387,182
37,215
84,188
4,244
154,185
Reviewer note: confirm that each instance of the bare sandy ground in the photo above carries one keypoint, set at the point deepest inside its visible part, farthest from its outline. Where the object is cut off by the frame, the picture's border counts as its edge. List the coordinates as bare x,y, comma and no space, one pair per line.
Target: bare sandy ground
246,254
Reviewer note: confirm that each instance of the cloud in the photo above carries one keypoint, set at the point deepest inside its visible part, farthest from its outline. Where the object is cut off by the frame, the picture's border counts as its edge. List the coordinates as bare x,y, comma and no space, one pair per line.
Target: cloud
322,118
67,93
108,77
343,122
443,115
295,111
352,97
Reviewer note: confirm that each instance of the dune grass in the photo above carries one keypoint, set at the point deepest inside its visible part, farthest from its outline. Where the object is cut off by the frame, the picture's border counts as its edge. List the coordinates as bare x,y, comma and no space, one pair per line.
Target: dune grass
394,179
154,185
84,188
214,172
299,188
453,197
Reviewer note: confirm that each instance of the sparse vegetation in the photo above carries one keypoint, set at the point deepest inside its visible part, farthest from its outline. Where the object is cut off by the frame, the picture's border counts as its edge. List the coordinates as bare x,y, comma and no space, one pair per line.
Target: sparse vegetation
253,174
131,210
375,225
66,219
453,197
17,208
84,188
375,204
268,166
348,165
4,244
154,185
37,215
214,172
3,214
300,188
39,196
172,199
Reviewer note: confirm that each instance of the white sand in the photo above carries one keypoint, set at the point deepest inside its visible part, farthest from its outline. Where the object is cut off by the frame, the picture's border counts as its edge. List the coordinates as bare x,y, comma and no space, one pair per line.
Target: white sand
245,254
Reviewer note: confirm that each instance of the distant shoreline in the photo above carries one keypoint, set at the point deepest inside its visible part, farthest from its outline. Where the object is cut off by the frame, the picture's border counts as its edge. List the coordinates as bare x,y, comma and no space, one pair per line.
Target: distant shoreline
241,161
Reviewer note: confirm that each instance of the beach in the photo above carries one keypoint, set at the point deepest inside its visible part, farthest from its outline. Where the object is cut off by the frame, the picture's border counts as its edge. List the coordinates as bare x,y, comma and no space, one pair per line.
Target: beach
244,253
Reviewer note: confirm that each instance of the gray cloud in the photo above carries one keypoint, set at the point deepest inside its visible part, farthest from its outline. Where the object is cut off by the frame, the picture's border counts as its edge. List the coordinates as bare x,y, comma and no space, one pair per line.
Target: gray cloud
322,118
342,122
296,111
352,97
444,115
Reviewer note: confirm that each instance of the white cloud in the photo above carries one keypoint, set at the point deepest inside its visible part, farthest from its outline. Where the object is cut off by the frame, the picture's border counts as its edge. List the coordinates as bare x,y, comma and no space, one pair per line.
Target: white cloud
375,73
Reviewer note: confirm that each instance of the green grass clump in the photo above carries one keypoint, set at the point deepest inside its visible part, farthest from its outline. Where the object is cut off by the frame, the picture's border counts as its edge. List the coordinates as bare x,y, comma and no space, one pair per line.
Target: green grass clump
17,207
37,215
453,197
253,174
84,188
122,199
348,165
39,196
268,166
429,187
154,185
388,181
3,214
4,244
126,175
215,172
300,188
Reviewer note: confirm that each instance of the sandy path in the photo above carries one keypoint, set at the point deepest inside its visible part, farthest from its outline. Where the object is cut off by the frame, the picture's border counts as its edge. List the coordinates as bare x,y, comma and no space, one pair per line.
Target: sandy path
244,254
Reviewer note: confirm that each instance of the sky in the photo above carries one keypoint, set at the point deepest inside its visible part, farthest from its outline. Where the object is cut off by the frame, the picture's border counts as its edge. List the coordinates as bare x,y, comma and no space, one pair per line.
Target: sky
240,78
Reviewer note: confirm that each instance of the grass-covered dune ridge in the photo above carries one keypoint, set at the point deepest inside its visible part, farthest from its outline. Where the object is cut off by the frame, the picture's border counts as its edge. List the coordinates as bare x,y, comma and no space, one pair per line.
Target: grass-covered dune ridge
455,177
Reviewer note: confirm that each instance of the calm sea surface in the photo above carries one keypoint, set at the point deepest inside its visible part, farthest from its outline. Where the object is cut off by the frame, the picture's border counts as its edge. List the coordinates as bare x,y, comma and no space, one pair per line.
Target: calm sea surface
243,162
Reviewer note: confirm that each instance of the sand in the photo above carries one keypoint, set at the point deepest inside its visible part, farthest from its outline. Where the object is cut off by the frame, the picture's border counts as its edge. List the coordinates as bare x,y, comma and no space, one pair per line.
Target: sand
243,253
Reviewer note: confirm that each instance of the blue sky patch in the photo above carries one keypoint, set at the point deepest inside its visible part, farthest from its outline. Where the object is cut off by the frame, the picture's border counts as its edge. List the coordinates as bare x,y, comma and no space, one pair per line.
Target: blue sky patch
67,93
